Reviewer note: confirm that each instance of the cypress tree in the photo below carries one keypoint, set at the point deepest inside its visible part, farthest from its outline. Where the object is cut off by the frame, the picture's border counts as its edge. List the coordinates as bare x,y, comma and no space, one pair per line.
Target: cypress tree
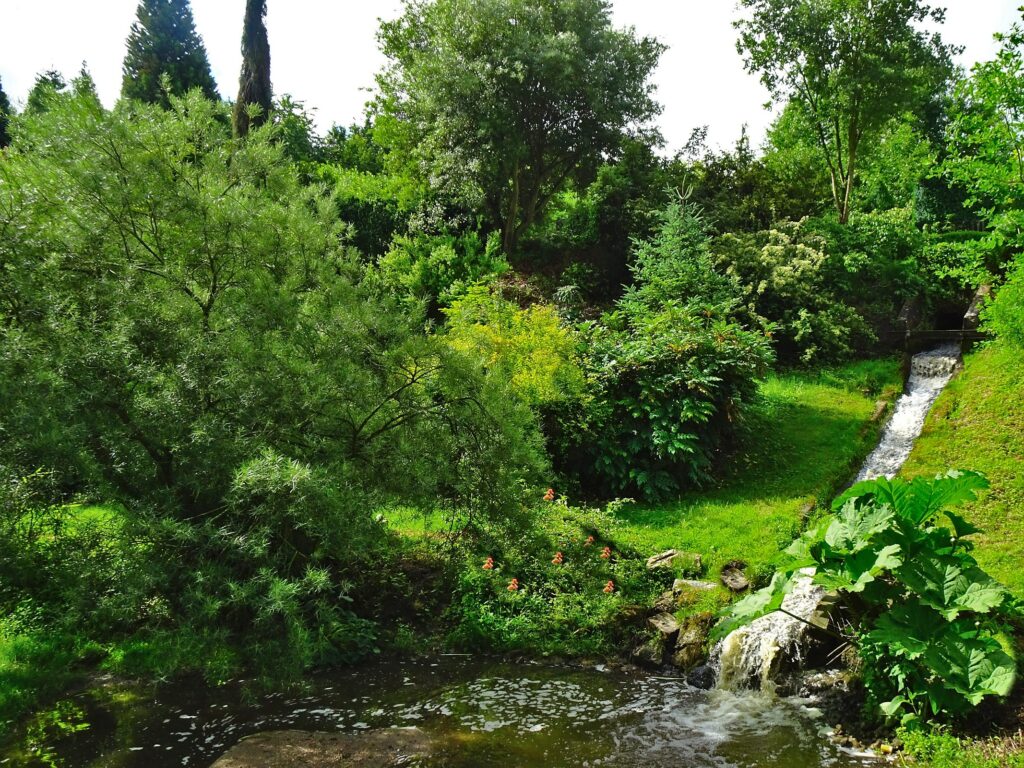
5,113
254,83
164,41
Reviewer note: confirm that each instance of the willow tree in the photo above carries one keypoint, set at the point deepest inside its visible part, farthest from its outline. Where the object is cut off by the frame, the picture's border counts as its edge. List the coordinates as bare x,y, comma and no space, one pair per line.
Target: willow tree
503,100
254,84
851,66
164,43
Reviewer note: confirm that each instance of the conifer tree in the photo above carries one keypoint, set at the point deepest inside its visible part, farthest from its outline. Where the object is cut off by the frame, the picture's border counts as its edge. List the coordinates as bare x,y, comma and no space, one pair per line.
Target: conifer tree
164,41
254,84
48,84
5,113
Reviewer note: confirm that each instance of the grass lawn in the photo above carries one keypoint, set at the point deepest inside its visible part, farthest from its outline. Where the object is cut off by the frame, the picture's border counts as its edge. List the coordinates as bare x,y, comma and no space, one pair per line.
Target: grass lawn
804,440
978,423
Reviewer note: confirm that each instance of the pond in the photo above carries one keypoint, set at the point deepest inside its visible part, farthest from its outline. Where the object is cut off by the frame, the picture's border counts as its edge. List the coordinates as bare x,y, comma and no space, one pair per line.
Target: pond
476,712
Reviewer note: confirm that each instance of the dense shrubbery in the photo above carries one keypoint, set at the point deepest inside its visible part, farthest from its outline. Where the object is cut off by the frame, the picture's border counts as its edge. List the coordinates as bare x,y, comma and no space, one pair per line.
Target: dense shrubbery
924,617
670,370
788,280
186,334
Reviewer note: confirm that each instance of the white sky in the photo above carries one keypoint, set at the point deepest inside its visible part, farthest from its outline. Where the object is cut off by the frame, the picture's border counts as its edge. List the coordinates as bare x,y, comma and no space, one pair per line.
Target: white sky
324,52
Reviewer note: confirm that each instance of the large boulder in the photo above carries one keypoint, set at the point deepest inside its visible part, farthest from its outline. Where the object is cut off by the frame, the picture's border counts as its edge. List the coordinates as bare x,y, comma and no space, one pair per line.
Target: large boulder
733,577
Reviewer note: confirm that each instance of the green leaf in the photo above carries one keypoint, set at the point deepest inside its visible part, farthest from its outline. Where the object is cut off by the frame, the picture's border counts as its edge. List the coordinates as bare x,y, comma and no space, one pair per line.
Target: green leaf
960,526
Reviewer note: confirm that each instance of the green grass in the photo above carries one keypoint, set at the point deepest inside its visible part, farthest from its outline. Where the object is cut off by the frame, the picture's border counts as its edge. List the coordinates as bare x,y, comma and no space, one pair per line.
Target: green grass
978,423
802,442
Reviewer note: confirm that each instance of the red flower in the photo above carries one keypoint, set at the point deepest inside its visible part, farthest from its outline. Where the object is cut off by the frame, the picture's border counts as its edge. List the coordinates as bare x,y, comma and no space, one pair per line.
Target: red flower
550,495
589,541
609,587
489,564
557,560
513,586
606,553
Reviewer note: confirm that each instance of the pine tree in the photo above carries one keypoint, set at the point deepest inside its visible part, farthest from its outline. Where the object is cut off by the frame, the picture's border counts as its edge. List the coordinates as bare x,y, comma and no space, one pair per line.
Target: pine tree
254,84
5,112
164,41
48,84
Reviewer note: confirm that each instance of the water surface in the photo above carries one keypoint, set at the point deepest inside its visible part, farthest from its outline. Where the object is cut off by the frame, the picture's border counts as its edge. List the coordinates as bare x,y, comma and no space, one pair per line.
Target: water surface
477,712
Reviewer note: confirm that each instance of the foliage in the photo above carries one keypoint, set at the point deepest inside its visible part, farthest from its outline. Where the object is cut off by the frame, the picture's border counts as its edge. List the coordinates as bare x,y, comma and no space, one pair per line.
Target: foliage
670,370
558,607
501,101
923,615
980,417
789,279
46,87
1004,316
191,339
851,66
6,111
435,269
254,86
939,748
820,422
986,149
530,347
166,55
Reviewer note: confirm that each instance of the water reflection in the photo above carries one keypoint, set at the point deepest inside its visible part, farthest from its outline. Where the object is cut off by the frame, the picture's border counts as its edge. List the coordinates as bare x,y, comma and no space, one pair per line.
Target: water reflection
474,711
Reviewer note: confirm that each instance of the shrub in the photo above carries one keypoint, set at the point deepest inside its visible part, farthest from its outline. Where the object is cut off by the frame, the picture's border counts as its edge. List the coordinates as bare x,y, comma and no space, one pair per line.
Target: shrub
1004,316
923,615
669,369
530,348
786,277
435,269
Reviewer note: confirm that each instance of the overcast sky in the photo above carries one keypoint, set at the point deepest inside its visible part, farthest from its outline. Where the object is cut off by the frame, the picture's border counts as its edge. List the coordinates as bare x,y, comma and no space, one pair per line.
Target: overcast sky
324,52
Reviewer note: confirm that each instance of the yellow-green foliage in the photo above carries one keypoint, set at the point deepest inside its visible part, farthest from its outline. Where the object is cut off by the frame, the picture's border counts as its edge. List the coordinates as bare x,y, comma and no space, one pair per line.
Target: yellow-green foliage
530,347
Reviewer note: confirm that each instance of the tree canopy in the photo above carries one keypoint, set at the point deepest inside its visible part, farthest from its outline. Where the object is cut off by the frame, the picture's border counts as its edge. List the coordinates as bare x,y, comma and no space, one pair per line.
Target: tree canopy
164,42
850,65
503,100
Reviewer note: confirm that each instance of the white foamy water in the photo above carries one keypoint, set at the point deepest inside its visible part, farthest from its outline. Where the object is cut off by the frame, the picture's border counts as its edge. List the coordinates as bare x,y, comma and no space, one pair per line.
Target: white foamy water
751,654
930,372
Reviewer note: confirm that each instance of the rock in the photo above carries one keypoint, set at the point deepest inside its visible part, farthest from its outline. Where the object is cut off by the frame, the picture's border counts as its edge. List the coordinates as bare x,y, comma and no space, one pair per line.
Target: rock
703,677
688,655
666,603
681,585
692,640
664,624
734,578
664,560
650,655
303,749
686,562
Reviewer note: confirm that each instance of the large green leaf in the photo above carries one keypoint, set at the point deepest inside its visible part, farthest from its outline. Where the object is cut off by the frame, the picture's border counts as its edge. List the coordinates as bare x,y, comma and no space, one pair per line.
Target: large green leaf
946,585
755,605
854,527
854,572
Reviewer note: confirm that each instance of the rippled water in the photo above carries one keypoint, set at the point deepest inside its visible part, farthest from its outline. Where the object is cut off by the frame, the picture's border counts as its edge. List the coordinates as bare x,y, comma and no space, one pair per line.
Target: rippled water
477,713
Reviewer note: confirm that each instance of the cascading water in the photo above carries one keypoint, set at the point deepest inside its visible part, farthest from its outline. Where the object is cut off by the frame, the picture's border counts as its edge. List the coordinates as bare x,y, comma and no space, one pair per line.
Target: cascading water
751,654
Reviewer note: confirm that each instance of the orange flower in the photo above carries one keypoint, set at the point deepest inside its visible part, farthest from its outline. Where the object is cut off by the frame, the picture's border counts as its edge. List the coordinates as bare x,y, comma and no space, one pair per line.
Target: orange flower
513,586
550,495
606,553
589,541
557,559
489,564
609,587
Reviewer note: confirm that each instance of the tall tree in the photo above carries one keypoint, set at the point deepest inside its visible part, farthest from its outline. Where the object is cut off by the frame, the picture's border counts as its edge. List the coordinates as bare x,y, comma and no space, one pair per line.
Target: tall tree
504,100
851,65
5,117
254,84
164,42
46,86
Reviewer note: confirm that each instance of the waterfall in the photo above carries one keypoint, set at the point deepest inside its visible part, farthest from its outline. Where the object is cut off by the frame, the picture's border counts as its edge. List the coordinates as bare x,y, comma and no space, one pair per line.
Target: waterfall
752,654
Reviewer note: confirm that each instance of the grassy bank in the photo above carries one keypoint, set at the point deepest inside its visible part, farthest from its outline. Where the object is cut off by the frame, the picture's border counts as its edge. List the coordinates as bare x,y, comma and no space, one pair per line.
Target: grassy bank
805,439
978,423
